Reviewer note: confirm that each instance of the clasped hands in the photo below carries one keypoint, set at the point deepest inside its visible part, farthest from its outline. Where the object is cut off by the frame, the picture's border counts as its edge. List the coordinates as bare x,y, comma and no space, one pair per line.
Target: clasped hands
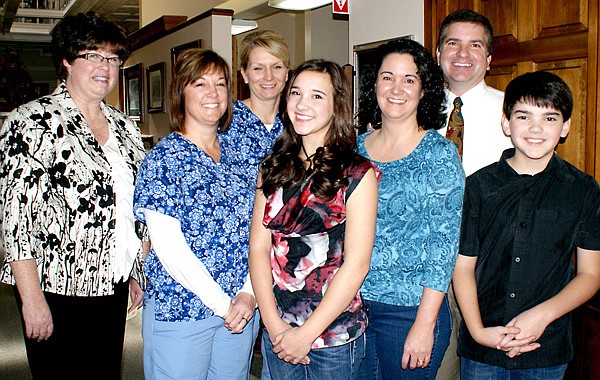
517,337
240,312
291,344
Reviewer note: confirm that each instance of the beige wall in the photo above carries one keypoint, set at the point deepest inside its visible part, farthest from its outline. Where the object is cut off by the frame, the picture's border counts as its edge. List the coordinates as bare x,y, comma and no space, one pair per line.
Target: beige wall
151,10
283,23
312,34
372,21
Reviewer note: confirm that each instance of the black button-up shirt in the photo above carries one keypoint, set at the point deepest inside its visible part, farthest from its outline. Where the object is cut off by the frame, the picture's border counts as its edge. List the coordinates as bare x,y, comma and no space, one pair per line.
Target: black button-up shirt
524,230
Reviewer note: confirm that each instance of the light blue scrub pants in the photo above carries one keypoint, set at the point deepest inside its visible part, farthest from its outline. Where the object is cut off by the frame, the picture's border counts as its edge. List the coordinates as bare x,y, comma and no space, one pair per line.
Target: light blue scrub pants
196,349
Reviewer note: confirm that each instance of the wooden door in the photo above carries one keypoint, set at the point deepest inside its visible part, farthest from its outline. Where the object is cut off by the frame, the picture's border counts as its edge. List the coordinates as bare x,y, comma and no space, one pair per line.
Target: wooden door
532,35
560,36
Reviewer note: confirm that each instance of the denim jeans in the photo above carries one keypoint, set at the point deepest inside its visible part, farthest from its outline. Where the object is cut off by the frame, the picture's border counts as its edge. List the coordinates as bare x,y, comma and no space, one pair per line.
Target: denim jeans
388,327
203,349
472,370
333,363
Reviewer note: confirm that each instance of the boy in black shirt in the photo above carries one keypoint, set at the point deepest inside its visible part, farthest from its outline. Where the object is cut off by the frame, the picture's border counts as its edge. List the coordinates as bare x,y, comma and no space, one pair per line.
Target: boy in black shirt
523,218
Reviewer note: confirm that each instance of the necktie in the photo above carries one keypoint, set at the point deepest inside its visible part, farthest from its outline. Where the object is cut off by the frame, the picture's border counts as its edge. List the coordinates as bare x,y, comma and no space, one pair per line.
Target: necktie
456,124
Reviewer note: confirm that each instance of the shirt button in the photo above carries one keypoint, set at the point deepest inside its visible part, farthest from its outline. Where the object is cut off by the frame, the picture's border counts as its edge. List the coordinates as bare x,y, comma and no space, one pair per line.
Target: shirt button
512,295
522,224
518,260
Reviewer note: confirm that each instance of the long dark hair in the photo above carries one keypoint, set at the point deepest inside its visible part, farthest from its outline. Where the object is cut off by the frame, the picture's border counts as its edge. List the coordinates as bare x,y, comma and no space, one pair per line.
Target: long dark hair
284,168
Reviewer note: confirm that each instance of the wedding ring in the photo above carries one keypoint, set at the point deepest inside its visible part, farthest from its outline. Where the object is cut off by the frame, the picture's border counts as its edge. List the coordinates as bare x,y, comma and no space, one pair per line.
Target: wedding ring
420,362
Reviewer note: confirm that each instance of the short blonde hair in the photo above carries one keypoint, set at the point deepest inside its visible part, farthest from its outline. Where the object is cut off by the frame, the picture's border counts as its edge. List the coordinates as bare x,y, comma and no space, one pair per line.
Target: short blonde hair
271,41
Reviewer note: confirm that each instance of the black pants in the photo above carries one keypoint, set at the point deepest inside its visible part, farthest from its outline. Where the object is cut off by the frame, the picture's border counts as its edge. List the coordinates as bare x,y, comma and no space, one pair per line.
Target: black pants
87,341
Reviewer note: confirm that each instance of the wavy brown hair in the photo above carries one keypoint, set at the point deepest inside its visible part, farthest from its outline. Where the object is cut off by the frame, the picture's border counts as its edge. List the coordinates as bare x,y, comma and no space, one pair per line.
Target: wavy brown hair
284,167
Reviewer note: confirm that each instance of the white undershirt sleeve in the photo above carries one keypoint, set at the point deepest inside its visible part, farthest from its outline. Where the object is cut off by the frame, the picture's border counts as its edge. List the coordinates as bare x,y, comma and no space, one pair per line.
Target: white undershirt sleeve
247,287
180,262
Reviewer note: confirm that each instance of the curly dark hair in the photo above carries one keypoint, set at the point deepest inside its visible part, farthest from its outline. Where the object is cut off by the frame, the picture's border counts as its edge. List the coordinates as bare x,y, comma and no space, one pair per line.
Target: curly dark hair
88,31
431,112
284,167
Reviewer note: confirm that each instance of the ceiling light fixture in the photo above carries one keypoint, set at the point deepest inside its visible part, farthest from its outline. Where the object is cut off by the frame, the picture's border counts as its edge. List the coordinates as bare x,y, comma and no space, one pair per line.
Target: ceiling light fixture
241,26
298,5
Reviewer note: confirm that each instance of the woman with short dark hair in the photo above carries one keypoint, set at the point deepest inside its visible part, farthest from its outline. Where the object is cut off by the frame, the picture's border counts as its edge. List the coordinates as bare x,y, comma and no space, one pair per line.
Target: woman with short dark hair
68,166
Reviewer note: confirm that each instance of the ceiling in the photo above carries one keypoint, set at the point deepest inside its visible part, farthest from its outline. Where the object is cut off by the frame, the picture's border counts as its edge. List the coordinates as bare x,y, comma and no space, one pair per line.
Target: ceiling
35,25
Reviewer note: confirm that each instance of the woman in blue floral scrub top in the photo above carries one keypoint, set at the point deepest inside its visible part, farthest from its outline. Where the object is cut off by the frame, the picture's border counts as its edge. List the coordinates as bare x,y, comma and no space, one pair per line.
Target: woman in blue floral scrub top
192,191
312,232
255,123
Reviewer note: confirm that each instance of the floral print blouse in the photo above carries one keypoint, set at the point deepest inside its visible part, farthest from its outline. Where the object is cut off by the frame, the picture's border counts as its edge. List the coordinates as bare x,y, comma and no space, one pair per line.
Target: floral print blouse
308,249
251,138
57,196
213,203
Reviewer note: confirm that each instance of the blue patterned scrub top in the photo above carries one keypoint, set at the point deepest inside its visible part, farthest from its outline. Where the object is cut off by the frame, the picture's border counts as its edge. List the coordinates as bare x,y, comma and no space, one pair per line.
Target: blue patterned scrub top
213,203
418,222
250,138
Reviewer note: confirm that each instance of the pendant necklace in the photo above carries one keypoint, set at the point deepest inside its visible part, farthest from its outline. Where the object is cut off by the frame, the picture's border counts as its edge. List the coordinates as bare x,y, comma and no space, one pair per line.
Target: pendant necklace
308,158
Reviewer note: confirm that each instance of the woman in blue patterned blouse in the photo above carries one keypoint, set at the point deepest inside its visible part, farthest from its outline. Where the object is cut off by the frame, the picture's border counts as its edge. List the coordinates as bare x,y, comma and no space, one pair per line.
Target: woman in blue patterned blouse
192,192
418,218
255,124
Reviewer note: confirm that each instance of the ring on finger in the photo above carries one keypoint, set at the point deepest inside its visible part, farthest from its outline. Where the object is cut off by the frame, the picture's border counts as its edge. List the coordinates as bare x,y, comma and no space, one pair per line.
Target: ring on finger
420,362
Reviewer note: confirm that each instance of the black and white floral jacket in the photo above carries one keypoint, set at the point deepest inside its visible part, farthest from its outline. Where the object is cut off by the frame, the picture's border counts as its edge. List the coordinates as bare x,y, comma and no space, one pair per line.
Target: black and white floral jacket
56,194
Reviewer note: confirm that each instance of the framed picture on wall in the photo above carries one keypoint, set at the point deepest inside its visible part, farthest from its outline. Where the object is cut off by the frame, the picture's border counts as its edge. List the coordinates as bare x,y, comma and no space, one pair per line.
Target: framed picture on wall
132,92
178,49
155,83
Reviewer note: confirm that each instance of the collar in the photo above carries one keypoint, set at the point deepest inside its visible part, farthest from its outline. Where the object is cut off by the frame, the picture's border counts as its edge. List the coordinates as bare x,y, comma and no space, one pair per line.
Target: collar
473,95
556,167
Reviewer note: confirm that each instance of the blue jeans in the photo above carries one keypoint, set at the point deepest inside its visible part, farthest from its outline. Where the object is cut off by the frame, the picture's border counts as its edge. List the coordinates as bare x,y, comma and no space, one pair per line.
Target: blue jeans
333,363
388,327
472,370
202,349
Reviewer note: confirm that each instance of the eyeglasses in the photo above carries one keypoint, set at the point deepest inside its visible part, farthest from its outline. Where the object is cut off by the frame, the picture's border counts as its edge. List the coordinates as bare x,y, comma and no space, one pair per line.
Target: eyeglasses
97,58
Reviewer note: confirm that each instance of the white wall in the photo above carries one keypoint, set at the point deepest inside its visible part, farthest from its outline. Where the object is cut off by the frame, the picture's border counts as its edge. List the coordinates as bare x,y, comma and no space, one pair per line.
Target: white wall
372,21
328,37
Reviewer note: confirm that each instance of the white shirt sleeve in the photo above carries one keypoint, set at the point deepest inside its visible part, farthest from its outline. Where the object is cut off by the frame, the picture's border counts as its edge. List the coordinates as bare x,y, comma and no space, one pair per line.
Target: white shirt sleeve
180,262
247,287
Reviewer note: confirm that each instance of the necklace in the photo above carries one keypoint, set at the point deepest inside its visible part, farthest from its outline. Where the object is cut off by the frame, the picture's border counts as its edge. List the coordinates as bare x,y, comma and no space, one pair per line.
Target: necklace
308,158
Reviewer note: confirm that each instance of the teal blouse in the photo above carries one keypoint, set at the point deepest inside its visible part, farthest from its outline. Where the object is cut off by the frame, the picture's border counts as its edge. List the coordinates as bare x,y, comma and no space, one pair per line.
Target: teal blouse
418,222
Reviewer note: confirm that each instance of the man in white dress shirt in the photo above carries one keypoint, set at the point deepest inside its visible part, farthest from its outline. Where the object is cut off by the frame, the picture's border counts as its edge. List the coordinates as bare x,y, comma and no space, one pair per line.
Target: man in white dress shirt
464,53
